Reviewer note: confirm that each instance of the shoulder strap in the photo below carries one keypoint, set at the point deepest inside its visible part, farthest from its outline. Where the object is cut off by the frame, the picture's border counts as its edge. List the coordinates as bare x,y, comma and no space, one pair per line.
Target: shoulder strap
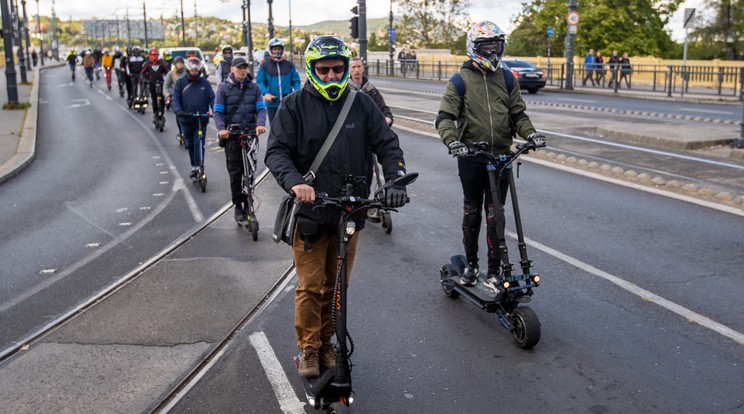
310,176
509,79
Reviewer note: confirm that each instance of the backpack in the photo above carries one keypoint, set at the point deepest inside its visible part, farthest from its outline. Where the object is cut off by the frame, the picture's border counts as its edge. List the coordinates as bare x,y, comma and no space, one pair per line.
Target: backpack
459,85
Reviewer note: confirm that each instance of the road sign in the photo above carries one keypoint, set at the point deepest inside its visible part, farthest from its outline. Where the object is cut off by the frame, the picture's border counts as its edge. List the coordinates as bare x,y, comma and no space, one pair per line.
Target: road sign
550,31
572,18
392,32
573,29
689,21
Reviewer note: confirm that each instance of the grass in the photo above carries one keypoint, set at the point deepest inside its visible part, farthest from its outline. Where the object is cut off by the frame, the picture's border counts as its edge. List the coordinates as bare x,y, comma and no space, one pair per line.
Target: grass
21,105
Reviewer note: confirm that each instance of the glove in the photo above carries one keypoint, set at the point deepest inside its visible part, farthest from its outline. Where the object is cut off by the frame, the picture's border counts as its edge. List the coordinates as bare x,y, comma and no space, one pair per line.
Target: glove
180,114
537,138
395,197
457,149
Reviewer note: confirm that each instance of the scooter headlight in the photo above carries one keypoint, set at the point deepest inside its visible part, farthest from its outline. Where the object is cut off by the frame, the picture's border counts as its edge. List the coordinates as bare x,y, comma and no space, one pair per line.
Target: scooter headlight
506,284
536,278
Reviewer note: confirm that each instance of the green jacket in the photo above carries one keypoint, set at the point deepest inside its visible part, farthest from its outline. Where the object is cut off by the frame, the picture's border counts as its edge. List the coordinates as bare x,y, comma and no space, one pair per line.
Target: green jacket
487,113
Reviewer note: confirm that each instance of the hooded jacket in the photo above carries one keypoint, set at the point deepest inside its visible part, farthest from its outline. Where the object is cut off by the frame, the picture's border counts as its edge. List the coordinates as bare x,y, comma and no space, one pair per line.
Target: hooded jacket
485,113
277,78
300,128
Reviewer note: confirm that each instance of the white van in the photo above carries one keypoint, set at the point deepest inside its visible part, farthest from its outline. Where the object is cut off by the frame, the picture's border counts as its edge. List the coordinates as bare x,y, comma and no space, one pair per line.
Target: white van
184,52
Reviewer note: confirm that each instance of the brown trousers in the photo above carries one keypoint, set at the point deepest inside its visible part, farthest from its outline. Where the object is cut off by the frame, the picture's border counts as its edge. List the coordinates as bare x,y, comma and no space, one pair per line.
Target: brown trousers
316,277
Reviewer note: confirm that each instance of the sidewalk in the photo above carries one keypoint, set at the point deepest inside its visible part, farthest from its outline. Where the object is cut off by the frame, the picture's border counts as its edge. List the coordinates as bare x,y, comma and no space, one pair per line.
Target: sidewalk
18,136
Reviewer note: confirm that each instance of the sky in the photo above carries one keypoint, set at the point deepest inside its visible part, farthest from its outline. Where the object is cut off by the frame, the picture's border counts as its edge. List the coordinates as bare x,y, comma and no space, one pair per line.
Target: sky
303,12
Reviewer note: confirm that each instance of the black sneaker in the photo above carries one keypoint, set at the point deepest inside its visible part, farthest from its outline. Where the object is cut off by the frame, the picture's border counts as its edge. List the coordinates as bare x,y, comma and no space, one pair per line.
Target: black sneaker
239,213
469,276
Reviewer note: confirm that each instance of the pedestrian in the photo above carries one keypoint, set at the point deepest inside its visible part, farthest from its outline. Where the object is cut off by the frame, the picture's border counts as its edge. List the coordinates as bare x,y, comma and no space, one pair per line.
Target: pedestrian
599,68
402,61
303,123
192,94
277,77
614,65
238,101
492,111
34,57
589,67
625,70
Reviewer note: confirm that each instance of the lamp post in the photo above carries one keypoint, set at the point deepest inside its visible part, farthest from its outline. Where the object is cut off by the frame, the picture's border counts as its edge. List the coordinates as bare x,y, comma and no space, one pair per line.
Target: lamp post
21,55
390,41
183,28
25,28
291,55
38,33
10,73
271,20
144,16
247,29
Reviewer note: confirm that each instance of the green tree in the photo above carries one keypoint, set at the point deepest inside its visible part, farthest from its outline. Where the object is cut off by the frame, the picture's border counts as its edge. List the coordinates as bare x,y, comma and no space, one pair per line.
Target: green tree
432,23
635,26
721,22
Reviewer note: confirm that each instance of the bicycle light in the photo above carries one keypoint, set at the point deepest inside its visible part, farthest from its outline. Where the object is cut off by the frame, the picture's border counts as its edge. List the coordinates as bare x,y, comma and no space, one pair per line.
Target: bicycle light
350,228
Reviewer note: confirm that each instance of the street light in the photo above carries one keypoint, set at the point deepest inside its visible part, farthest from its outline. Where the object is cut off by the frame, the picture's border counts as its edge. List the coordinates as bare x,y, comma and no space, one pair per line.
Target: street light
10,73
390,40
38,32
291,56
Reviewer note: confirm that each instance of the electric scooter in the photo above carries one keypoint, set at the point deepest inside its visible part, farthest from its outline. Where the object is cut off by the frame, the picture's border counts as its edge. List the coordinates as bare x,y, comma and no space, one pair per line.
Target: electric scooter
249,147
382,217
332,391
201,177
158,118
502,296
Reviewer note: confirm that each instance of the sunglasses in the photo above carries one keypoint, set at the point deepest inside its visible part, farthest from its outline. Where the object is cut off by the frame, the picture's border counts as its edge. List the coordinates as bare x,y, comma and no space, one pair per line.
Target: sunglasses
323,70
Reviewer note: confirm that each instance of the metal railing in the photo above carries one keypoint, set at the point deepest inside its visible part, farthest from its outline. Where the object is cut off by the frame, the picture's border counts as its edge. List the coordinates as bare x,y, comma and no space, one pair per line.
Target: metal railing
662,79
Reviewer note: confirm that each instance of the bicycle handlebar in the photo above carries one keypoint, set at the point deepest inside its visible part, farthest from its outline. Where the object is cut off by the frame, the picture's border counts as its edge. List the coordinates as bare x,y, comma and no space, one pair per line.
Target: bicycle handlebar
198,114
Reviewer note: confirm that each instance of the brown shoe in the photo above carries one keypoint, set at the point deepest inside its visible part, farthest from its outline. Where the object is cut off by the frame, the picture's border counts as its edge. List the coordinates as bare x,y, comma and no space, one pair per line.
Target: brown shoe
328,354
309,364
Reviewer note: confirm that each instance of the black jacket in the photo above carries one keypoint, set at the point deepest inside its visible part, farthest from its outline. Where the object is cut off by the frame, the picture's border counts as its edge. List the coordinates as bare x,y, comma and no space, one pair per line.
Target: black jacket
302,124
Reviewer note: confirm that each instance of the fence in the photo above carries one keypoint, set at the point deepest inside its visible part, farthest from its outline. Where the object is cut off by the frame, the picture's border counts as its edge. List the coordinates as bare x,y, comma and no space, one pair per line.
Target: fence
664,79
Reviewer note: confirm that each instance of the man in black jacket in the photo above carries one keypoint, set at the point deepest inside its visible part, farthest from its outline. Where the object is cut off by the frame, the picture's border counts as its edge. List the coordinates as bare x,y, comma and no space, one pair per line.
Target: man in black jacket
300,128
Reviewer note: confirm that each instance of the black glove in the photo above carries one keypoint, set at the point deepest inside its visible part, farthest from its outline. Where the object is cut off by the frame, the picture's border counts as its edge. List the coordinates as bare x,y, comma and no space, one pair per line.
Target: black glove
538,139
395,196
180,114
457,149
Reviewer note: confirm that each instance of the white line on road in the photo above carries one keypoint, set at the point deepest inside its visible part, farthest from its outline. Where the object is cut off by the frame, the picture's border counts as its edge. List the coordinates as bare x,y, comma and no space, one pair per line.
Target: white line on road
577,100
288,401
706,111
642,293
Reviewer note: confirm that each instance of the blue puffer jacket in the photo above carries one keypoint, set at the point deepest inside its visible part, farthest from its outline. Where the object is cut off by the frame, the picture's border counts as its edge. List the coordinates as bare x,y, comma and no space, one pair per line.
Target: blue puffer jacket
277,78
192,96
251,111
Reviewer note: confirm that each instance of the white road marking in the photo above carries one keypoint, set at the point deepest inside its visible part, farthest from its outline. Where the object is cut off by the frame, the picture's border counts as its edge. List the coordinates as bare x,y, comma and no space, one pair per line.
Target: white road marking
577,100
288,401
706,111
79,103
121,210
638,291
48,271
92,244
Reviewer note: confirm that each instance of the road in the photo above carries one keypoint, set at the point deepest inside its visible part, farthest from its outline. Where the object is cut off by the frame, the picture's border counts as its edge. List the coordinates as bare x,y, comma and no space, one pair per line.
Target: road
638,305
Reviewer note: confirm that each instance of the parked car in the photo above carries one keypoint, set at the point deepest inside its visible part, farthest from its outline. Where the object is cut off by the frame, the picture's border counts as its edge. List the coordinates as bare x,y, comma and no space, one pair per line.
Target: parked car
529,77
185,52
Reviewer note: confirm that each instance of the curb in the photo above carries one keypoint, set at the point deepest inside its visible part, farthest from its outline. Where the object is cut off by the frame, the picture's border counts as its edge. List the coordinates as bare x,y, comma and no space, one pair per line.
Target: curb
27,143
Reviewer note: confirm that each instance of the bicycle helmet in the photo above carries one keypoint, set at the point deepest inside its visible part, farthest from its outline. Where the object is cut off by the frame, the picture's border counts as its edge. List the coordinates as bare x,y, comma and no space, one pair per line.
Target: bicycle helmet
128,50
327,47
166,55
136,51
486,44
274,43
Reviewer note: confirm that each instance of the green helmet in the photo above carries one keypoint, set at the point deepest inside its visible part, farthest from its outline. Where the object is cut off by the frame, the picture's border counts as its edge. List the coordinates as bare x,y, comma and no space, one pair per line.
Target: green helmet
327,47
166,54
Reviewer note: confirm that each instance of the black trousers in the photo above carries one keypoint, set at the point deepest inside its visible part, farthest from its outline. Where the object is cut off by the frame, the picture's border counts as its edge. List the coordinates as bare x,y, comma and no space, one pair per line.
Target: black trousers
476,189
234,162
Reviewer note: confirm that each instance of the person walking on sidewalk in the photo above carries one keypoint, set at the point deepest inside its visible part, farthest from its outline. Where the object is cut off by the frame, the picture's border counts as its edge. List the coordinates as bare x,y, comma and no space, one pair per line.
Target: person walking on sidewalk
589,67
238,101
625,70
303,124
599,68
614,65
277,77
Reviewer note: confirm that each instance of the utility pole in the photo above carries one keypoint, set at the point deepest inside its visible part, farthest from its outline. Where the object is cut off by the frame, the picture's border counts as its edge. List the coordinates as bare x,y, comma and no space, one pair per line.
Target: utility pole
183,28
38,32
271,20
129,31
144,16
196,27
570,34
291,55
249,35
390,41
55,41
25,28
21,55
363,33
10,73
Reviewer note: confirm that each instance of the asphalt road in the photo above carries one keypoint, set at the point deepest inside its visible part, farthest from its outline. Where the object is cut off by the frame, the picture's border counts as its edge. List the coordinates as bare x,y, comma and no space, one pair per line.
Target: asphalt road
604,347
105,193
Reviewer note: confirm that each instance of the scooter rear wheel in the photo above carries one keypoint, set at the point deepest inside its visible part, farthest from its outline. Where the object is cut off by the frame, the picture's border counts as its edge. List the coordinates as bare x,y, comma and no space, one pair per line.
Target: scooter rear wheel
526,327
338,408
445,272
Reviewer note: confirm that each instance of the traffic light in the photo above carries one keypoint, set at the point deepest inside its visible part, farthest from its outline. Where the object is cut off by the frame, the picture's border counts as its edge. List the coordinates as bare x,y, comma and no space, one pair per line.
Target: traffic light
354,23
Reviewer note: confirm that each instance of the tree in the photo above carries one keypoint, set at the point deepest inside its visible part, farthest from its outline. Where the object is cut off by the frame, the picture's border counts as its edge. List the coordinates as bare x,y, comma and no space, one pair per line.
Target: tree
433,23
722,22
635,26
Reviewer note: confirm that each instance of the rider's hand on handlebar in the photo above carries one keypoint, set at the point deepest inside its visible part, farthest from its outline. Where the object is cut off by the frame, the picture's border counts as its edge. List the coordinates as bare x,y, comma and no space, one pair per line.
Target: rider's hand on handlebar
304,193
260,130
538,139
457,149
181,114
395,196
223,133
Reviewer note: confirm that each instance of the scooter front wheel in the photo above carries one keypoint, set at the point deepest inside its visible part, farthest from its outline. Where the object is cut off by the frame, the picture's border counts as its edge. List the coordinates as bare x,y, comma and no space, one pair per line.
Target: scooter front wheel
446,272
254,228
338,408
387,222
526,327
